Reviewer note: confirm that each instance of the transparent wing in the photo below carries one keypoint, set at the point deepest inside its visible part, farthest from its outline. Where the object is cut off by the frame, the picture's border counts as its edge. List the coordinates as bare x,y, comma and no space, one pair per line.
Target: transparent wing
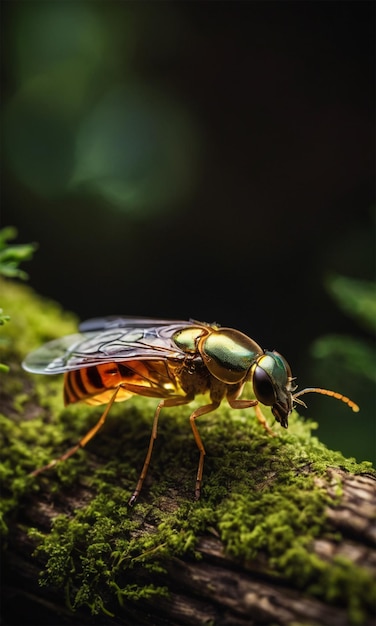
125,321
129,339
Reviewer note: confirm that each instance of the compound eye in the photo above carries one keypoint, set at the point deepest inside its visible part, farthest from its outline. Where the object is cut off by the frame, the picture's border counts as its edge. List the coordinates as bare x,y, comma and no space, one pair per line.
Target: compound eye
263,387
287,367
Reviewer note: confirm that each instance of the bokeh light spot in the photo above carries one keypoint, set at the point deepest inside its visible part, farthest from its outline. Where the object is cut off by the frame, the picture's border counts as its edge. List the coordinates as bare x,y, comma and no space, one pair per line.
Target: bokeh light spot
138,149
48,34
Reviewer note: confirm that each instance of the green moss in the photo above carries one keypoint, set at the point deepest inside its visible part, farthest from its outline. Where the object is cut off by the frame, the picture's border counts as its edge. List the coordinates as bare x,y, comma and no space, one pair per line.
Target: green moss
259,493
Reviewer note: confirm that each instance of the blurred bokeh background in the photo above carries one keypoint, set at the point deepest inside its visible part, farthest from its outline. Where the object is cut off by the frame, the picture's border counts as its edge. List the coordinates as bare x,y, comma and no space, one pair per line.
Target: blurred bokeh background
212,160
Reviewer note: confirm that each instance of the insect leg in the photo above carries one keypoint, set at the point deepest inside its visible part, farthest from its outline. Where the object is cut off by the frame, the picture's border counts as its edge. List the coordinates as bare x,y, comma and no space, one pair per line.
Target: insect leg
244,404
82,443
153,436
261,418
208,408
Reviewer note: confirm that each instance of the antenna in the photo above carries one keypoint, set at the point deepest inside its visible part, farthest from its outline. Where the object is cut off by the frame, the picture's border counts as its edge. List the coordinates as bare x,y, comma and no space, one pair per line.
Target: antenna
327,392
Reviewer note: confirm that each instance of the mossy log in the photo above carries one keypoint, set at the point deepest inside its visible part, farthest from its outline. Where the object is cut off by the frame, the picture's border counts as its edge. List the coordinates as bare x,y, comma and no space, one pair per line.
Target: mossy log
284,532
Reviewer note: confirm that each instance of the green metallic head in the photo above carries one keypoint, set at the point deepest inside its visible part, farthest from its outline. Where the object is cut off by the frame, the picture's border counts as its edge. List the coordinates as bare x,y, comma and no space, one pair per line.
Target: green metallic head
272,385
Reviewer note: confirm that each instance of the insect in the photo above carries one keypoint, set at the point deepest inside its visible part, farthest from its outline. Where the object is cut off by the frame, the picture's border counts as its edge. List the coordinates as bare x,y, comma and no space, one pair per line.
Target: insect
113,358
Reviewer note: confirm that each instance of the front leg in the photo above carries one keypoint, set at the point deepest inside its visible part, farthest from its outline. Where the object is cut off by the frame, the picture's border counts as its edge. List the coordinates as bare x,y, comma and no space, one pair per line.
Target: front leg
236,403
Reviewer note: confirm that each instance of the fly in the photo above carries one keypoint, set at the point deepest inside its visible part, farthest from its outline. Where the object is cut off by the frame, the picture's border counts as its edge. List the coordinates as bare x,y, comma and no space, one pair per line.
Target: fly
112,359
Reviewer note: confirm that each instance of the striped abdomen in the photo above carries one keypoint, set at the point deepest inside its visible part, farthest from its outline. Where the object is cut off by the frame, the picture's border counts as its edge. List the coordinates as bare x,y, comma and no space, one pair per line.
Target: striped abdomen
96,384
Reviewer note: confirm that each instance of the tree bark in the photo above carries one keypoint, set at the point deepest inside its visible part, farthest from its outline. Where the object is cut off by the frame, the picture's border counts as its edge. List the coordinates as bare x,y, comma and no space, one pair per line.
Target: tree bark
212,589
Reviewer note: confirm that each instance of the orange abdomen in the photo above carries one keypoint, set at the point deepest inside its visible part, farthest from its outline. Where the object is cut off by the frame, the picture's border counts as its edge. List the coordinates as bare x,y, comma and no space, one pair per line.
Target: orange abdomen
96,384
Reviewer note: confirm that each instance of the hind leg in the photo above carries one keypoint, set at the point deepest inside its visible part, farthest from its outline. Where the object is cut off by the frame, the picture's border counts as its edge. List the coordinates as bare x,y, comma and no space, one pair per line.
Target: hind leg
83,442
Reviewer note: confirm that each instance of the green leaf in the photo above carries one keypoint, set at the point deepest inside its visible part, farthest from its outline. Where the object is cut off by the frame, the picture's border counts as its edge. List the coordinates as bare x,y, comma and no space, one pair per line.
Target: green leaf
12,255
357,298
